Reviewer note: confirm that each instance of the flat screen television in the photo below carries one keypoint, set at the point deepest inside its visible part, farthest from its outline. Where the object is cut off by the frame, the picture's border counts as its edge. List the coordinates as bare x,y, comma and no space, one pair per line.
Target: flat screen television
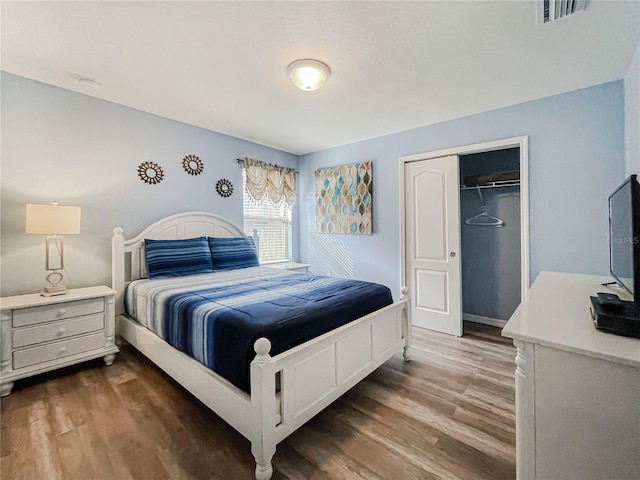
624,236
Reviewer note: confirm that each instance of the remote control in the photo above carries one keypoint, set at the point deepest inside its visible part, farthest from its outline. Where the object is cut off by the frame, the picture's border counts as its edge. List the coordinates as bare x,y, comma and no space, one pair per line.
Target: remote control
610,300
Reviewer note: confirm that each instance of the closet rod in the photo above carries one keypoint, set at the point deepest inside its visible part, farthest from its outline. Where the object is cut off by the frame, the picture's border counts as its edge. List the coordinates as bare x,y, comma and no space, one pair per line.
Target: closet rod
498,184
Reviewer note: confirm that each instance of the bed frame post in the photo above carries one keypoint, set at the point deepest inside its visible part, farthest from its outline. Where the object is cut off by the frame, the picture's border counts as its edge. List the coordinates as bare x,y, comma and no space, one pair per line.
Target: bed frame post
263,389
406,323
117,268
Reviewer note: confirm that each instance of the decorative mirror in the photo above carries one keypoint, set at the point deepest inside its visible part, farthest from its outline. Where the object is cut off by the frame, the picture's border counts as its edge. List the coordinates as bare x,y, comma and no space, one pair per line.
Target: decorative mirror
150,172
224,188
192,165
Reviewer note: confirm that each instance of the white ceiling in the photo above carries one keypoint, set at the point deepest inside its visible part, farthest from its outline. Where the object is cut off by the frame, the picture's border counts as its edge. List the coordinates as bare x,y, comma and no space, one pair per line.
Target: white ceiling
395,65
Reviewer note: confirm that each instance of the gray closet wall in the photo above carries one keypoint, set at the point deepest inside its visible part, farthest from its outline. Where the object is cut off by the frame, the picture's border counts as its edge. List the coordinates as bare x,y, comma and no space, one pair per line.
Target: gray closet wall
490,256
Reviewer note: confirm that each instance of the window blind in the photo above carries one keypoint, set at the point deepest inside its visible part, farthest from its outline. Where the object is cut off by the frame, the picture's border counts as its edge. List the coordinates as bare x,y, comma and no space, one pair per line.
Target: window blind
273,224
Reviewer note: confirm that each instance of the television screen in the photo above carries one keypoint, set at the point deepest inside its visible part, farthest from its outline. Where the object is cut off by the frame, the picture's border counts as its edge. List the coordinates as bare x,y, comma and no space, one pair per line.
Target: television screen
623,240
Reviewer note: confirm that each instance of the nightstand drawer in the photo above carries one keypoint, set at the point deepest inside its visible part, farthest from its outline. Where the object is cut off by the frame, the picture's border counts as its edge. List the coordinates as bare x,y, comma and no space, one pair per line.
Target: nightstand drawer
58,330
48,313
52,351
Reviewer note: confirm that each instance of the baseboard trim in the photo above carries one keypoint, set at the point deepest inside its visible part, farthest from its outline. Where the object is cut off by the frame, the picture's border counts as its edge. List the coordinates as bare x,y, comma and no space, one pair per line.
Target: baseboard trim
494,322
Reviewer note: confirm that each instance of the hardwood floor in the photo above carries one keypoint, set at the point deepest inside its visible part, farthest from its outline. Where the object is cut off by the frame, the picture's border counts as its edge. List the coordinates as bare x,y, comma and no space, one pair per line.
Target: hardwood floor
448,414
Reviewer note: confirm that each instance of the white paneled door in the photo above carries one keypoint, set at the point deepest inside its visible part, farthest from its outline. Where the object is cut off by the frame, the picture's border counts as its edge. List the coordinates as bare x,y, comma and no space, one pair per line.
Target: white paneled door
432,248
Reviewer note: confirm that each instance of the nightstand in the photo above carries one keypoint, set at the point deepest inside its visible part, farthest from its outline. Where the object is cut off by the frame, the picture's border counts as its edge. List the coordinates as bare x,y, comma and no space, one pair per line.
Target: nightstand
293,266
38,334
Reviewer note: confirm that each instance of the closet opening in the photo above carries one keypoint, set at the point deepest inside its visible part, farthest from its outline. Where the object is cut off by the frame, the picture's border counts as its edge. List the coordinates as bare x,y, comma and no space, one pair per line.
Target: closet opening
465,233
490,244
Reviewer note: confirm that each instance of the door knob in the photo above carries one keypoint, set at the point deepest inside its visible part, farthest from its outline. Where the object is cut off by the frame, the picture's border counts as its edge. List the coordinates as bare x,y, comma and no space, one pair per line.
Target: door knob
452,254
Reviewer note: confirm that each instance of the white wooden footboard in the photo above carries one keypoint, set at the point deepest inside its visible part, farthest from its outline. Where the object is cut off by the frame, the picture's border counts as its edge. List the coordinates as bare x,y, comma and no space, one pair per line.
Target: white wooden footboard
319,371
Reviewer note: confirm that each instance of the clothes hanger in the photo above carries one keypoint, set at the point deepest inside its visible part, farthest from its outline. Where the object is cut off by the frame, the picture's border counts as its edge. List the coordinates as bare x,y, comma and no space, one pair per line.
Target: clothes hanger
483,218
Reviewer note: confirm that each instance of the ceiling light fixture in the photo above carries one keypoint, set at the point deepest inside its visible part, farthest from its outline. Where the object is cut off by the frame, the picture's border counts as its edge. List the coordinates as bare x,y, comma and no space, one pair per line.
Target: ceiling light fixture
308,75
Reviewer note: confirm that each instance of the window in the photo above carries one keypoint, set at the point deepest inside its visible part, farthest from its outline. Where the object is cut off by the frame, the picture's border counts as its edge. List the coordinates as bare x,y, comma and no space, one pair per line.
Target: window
273,224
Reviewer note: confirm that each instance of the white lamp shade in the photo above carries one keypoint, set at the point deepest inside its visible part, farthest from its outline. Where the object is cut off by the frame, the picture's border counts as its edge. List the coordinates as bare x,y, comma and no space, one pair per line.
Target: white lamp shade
52,219
308,75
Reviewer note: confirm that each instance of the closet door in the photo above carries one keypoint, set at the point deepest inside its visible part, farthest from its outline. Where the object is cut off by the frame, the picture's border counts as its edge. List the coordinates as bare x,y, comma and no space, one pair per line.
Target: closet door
432,250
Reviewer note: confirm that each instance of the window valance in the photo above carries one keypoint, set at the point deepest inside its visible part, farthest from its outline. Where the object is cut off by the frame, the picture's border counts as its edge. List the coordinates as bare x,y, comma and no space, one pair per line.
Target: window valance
273,183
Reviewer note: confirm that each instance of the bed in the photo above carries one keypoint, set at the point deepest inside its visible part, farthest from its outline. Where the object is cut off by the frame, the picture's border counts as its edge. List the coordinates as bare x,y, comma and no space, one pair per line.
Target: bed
284,387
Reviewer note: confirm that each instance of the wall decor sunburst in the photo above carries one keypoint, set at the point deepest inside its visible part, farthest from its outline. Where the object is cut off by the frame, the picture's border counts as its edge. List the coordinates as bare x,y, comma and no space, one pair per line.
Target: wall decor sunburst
150,172
192,165
224,188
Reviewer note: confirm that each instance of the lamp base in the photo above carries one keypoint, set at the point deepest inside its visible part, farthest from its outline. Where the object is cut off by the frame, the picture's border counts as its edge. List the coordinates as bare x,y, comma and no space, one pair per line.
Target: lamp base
54,290
54,287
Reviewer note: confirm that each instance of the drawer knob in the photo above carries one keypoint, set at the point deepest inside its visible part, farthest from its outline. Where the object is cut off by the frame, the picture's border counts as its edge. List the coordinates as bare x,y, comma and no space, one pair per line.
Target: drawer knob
62,311
63,349
61,330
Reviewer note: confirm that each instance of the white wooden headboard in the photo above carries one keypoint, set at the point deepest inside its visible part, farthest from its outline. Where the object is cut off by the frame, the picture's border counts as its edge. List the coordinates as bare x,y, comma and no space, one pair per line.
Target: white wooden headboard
127,256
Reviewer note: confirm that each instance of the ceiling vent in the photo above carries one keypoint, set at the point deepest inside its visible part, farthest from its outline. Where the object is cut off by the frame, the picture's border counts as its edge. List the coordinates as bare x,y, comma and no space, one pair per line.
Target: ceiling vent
550,10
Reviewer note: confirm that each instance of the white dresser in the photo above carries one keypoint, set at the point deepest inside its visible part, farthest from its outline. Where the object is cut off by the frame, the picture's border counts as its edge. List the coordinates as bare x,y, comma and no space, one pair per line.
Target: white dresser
577,389
39,333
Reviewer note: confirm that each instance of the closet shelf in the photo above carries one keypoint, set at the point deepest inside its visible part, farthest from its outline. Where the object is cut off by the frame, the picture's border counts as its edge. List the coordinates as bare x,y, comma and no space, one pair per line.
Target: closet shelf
497,184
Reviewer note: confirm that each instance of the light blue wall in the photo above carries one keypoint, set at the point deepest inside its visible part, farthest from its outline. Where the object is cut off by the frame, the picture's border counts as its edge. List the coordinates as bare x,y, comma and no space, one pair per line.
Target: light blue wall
632,115
576,151
78,150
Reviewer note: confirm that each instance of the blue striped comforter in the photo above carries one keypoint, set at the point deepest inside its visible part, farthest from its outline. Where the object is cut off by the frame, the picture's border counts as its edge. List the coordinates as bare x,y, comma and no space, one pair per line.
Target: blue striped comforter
216,317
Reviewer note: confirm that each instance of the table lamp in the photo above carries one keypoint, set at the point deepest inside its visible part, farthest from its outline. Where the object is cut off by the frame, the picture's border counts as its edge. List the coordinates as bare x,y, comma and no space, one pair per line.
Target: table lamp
54,221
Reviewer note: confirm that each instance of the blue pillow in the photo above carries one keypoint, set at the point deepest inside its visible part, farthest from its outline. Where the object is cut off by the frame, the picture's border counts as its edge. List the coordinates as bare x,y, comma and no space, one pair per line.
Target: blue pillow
176,258
232,253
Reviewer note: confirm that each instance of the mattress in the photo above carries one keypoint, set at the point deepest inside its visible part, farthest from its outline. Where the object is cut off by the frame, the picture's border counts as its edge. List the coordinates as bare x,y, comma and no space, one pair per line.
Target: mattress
216,318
